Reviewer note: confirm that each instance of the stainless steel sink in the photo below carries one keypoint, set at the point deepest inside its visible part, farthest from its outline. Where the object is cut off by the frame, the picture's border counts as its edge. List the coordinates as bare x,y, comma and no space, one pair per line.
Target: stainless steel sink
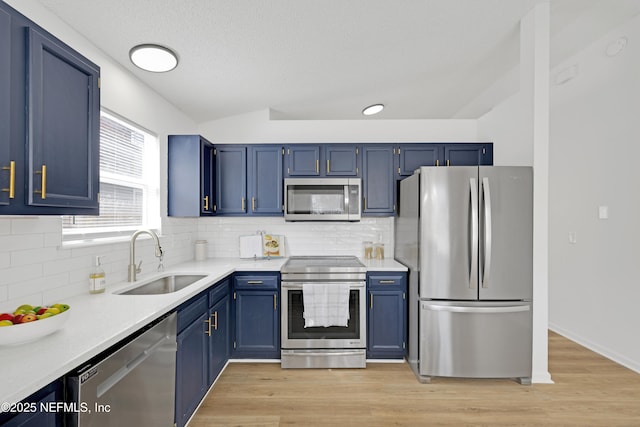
165,285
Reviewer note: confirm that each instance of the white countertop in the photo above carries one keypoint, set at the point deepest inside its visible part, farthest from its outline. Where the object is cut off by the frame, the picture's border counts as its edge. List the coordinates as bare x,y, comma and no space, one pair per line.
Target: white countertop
96,322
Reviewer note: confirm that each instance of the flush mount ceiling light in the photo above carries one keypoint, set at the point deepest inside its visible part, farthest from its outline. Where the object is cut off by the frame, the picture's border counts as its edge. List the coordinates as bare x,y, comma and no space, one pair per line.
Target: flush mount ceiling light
153,57
373,109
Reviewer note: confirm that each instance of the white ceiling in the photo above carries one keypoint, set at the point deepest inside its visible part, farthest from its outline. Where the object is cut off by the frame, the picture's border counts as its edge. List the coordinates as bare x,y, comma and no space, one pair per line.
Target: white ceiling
327,59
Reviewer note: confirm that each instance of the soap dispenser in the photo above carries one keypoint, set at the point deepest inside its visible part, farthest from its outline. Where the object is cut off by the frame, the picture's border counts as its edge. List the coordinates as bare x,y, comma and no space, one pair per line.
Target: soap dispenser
97,279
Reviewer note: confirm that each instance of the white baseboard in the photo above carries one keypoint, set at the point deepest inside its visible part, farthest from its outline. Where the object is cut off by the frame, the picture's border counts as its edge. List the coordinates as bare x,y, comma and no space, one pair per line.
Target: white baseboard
609,354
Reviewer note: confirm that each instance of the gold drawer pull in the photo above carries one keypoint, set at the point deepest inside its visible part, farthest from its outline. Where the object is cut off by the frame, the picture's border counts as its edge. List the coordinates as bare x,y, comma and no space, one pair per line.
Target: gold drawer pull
215,320
208,331
12,179
43,190
206,203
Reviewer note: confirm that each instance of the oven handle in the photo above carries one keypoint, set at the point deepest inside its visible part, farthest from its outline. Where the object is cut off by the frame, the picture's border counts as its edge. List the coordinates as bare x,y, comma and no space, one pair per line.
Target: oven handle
298,285
324,353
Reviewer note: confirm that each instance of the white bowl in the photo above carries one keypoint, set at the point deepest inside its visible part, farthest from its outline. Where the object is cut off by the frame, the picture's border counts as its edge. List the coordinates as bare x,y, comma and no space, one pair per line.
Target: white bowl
25,332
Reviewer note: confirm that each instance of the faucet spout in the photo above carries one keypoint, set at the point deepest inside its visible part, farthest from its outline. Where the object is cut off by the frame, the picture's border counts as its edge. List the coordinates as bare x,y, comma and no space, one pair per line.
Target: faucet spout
133,269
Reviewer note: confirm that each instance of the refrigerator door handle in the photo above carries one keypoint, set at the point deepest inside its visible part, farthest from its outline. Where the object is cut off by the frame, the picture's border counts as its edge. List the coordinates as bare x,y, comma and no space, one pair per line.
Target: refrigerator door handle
473,270
486,310
486,268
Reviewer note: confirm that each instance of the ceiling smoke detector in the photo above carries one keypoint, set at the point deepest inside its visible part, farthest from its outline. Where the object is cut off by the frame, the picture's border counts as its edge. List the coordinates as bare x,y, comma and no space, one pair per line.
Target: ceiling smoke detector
154,58
616,46
373,109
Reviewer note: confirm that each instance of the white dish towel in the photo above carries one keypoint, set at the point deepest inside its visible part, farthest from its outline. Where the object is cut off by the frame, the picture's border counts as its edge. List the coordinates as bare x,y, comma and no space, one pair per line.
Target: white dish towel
325,304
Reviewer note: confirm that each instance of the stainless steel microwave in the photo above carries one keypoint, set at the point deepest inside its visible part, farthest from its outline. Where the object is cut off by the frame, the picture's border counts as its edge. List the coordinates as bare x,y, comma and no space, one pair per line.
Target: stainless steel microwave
322,199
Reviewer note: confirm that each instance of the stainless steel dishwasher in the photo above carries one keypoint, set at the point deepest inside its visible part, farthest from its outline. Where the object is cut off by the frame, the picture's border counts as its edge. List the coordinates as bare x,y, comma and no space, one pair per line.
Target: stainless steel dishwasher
132,384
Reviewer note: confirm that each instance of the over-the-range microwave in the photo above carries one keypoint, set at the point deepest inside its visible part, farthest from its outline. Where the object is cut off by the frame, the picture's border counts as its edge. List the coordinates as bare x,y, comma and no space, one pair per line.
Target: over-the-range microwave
322,199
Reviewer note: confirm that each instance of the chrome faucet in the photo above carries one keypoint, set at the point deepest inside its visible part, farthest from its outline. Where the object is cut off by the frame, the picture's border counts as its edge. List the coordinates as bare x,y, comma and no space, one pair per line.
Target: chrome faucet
133,269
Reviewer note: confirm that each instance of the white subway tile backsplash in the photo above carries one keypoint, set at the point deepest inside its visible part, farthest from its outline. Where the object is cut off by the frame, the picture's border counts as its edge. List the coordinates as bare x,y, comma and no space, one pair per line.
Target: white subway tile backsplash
36,267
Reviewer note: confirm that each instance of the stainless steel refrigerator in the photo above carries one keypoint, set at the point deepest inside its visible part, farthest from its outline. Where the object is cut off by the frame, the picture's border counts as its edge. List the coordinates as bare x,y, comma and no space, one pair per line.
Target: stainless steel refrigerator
466,235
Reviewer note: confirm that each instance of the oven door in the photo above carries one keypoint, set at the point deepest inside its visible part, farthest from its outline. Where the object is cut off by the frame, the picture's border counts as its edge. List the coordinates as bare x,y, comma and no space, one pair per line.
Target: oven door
296,336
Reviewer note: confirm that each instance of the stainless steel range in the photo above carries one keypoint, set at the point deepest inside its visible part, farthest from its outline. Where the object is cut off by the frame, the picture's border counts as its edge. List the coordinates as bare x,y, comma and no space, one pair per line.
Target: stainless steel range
334,344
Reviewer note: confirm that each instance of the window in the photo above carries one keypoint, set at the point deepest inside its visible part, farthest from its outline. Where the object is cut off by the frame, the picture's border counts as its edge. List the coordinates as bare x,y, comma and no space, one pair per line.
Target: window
129,184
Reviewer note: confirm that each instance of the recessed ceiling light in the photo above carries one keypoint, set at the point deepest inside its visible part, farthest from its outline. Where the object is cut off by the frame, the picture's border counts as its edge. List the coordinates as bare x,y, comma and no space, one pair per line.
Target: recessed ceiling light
154,58
373,109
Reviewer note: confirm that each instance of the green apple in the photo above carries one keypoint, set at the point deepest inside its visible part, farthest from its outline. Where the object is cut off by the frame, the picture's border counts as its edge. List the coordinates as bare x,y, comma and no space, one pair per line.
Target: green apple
6,323
25,307
62,307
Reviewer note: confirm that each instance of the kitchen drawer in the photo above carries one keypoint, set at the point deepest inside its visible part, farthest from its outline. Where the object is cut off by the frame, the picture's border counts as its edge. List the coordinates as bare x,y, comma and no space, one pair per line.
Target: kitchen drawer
218,291
386,280
256,281
191,310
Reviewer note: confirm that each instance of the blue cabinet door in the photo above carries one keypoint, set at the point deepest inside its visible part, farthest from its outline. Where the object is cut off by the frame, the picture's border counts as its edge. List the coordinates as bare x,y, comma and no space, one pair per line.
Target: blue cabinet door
231,179
191,368
256,324
6,178
303,160
386,317
219,339
265,180
341,160
35,416
413,156
63,108
378,184
190,188
464,154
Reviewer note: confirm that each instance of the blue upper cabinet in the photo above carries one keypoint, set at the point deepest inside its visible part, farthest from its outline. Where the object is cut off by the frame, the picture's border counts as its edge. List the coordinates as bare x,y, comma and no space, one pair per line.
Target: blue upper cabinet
7,164
303,160
190,189
265,180
249,180
377,180
50,114
231,179
463,154
341,160
413,156
63,140
309,160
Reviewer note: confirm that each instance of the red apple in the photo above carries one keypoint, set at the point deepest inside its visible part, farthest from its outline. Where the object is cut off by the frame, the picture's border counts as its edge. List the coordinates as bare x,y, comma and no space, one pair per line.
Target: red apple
41,310
17,318
6,316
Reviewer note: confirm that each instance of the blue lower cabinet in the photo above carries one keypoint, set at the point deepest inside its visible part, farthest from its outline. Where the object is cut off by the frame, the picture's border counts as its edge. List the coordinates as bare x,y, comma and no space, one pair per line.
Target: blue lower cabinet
203,347
256,307
386,315
219,349
191,368
34,410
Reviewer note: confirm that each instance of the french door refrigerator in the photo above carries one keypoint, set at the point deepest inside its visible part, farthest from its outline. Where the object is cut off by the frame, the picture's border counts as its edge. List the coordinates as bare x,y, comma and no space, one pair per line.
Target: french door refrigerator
466,235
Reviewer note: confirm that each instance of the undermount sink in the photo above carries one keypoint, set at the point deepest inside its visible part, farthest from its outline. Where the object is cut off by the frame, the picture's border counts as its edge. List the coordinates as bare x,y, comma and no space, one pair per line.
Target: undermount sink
164,285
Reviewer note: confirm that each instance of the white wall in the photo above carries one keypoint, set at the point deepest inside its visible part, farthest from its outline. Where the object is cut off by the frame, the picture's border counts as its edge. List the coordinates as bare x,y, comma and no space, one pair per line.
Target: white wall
595,135
34,265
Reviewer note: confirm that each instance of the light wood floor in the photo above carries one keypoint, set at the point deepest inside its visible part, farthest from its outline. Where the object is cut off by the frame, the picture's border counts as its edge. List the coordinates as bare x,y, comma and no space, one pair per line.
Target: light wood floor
589,390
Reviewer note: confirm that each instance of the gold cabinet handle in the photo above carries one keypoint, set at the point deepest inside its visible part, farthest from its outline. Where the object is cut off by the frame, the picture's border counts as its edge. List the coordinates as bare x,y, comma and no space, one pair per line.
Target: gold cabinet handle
371,301
437,162
243,204
208,331
215,320
328,166
206,203
12,179
448,164
253,204
43,190
275,302
317,166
